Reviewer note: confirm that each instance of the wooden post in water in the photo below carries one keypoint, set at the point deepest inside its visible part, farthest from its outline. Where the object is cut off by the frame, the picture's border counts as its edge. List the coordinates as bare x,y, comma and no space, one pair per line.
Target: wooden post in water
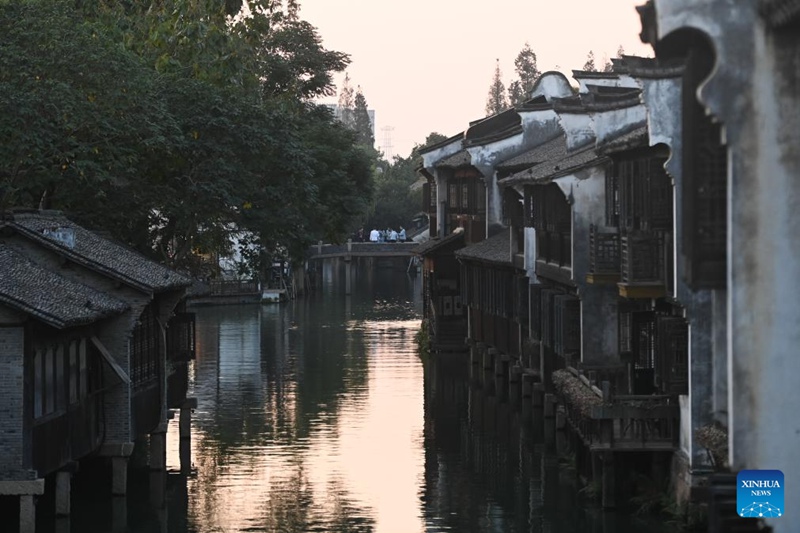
348,269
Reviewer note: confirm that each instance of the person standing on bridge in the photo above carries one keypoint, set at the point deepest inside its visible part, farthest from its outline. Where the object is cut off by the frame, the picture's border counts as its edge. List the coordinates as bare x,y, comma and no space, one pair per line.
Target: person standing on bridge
373,235
392,235
401,237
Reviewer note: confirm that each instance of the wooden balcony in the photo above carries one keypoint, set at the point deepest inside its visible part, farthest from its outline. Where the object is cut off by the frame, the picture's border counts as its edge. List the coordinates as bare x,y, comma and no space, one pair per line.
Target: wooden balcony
604,257
608,422
643,264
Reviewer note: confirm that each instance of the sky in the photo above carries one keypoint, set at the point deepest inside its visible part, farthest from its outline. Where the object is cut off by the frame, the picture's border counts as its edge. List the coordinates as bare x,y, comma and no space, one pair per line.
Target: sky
426,65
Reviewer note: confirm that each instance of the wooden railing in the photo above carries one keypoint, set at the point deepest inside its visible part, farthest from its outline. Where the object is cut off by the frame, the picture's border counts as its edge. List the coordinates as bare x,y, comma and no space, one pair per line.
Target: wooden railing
643,257
604,252
618,422
234,287
366,249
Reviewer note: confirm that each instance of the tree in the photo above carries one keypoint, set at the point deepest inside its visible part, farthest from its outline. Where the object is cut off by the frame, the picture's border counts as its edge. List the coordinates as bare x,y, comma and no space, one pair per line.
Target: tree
609,66
361,122
527,73
346,102
397,201
496,101
589,66
168,123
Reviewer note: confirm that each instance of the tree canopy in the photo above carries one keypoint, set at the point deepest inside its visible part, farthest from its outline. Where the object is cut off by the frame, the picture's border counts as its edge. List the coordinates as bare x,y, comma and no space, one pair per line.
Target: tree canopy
527,74
496,100
171,123
590,66
361,121
397,200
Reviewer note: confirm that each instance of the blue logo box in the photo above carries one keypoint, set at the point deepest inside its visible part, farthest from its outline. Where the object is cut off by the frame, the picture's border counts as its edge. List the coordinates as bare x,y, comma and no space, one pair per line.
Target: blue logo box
759,493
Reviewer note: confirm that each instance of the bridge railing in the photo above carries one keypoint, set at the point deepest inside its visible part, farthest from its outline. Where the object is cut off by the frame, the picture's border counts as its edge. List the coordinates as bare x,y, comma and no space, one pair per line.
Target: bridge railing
362,248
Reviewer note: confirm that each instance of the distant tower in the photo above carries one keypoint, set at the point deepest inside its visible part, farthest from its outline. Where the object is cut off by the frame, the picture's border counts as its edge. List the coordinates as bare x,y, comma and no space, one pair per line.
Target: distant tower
387,142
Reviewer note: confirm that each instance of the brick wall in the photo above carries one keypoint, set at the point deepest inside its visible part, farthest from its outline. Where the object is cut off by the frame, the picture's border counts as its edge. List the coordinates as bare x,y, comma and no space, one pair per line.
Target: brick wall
12,405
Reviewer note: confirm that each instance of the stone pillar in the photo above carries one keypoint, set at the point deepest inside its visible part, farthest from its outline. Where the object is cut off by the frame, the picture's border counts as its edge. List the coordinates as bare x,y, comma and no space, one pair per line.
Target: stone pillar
185,432
499,366
527,385
609,481
119,515
27,514
348,276
549,405
62,525
158,449
119,476
537,394
514,386
63,490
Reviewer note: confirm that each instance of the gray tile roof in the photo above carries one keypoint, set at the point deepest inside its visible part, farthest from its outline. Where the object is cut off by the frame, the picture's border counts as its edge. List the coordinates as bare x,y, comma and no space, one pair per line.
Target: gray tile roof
627,141
436,243
495,249
555,168
434,146
51,298
458,159
648,67
97,253
552,149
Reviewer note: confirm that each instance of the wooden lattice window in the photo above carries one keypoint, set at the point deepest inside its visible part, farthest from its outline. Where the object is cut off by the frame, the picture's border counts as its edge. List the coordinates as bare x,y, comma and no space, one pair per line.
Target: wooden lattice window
567,339
181,337
454,196
145,347
673,354
705,185
645,194
547,316
612,196
528,201
552,218
643,339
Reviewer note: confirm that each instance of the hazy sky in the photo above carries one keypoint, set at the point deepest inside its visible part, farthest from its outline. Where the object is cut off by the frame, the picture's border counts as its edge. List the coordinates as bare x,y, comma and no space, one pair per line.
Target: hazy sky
426,65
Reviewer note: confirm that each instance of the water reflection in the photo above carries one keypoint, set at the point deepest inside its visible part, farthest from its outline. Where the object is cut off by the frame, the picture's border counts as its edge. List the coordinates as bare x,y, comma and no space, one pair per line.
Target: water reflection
310,414
318,415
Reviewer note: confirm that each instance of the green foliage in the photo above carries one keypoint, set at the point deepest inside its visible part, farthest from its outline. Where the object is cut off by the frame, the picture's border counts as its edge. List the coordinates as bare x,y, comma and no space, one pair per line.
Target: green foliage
397,199
527,74
171,124
361,122
589,66
346,102
496,101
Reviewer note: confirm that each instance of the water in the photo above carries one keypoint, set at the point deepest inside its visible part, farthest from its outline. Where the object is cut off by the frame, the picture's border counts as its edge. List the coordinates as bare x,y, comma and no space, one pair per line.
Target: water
318,415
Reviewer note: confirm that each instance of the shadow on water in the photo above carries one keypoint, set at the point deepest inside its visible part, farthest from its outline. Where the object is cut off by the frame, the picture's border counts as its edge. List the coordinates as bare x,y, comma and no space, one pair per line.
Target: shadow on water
318,415
493,466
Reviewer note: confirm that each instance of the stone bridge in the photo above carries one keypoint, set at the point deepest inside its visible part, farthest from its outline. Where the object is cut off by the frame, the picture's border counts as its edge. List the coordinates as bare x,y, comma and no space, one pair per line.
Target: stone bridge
362,249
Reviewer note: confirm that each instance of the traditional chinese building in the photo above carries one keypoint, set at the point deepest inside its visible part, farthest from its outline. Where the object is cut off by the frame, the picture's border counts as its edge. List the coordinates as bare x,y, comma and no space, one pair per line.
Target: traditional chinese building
94,350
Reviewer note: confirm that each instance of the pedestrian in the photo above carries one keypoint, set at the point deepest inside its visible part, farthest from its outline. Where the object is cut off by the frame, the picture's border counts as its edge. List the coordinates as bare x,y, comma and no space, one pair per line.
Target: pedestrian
402,235
360,235
392,236
374,235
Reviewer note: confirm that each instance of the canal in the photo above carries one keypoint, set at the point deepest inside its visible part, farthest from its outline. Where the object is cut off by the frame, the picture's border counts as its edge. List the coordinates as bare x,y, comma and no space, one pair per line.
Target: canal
319,415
